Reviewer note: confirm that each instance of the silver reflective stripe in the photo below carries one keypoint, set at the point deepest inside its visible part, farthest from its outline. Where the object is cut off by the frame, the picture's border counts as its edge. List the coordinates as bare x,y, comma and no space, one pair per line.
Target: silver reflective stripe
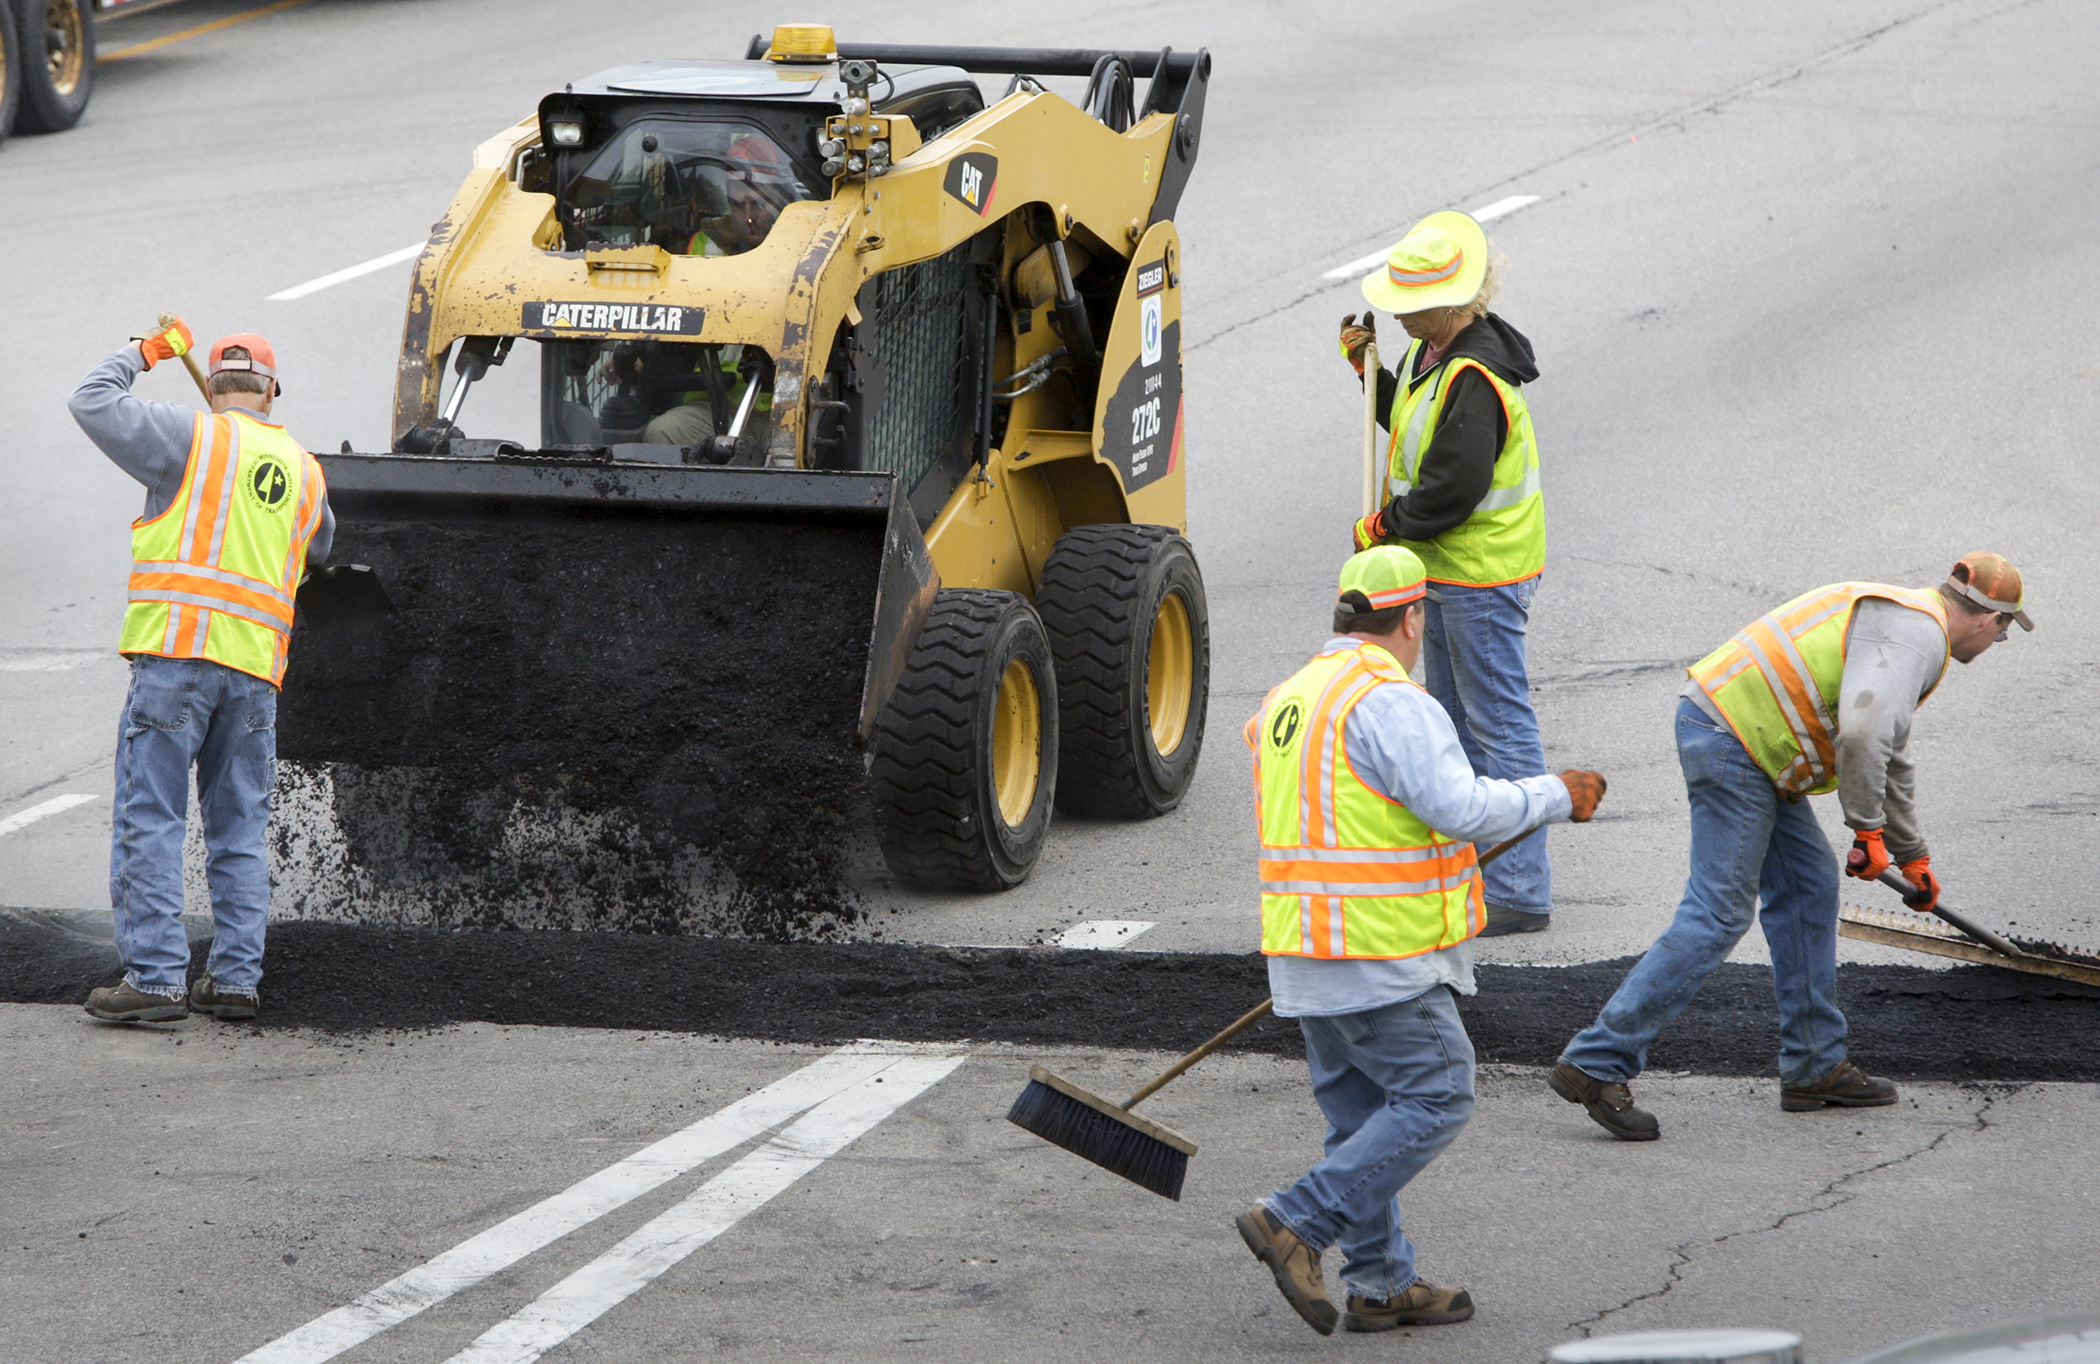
233,476
1502,499
1813,621
200,466
1411,440
1304,920
1777,684
170,639
1729,674
295,551
1337,930
1321,737
209,604
1378,888
1428,854
217,575
1331,741
197,635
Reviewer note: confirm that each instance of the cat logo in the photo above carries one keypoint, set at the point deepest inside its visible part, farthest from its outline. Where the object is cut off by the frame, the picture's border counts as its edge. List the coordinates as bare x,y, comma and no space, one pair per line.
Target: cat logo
973,178
1283,727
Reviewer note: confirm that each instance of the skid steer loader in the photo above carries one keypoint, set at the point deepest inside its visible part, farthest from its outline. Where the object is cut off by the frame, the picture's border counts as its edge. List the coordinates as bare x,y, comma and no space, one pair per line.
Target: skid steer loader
858,479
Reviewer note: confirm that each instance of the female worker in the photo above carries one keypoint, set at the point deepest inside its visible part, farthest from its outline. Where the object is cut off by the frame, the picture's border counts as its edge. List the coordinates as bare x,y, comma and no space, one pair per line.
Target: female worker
1462,491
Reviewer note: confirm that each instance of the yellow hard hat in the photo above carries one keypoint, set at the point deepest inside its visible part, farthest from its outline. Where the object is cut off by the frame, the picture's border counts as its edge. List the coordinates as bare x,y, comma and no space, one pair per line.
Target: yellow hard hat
1383,576
1440,263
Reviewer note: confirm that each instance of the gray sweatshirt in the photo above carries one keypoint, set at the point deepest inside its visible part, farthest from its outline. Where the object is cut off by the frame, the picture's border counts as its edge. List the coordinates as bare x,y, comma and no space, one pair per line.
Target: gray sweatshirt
1893,656
151,441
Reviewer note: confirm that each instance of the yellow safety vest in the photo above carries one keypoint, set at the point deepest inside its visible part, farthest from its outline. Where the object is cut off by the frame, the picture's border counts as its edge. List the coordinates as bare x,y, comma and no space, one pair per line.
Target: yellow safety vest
1504,540
216,574
1776,682
1346,872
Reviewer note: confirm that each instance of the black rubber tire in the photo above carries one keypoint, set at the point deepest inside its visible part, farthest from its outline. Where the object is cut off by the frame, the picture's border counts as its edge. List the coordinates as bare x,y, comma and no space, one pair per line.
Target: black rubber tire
10,70
1101,590
45,107
937,816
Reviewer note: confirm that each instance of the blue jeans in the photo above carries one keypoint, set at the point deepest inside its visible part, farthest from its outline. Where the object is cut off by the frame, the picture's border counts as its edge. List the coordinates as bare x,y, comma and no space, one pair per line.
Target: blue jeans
1473,664
1396,1085
183,712
1747,842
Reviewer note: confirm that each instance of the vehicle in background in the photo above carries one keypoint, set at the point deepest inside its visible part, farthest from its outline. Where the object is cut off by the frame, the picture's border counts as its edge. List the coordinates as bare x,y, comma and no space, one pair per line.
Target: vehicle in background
47,59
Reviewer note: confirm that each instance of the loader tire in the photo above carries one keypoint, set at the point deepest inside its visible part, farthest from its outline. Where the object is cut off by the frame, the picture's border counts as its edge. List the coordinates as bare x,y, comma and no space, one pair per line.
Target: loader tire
56,62
965,754
1130,628
10,70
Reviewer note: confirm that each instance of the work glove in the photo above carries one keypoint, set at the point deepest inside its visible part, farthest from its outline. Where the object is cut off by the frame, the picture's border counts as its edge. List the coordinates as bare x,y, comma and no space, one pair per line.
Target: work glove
1370,530
166,344
1918,871
1868,858
1585,789
1357,334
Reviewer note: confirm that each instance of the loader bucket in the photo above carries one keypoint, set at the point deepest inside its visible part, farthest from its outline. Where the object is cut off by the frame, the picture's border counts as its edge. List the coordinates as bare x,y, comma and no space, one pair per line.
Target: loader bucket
598,693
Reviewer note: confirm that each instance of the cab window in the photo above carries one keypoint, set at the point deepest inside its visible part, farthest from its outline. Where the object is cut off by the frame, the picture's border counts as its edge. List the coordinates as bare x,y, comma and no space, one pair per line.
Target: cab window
692,188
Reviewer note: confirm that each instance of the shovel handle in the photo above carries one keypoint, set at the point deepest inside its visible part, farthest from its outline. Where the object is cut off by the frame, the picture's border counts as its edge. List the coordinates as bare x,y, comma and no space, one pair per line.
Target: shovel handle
189,358
1370,497
1896,881
1263,1009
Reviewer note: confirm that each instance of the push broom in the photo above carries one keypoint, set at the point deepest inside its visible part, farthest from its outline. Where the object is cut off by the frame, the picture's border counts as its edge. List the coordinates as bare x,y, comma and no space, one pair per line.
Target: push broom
1107,1133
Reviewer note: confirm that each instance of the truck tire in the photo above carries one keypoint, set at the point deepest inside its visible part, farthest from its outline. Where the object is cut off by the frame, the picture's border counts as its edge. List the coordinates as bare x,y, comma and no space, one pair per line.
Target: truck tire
57,63
1130,628
10,71
965,754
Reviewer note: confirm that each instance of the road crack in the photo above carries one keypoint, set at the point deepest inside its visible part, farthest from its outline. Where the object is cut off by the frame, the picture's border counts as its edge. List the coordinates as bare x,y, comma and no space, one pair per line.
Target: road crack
1829,1198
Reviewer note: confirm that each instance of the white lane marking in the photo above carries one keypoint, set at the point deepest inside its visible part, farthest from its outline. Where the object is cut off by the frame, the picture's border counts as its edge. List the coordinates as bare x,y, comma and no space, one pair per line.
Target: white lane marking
55,805
50,660
710,1210
1501,208
314,286
1108,933
516,1237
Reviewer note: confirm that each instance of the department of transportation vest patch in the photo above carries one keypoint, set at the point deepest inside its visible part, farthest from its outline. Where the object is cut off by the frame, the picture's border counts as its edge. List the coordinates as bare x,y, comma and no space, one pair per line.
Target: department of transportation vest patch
269,485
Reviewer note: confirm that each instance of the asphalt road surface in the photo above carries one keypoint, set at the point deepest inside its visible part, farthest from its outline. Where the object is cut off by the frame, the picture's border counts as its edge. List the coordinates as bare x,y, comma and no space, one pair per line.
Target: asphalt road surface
1811,288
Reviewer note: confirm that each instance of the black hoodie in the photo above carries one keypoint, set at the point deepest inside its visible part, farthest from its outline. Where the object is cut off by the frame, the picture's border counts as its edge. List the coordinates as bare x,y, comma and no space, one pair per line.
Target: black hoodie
1458,468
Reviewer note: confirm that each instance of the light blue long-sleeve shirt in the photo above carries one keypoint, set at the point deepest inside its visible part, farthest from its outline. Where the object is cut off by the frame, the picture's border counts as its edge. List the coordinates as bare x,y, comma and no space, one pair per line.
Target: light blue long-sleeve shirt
151,441
1403,746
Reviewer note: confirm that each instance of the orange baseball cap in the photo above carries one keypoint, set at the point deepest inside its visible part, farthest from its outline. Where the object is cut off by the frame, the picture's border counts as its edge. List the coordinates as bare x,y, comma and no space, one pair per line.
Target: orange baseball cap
262,360
1992,583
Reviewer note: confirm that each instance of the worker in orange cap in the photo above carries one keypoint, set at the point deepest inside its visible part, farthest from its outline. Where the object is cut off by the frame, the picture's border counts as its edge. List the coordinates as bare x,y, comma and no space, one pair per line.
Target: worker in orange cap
1815,697
235,510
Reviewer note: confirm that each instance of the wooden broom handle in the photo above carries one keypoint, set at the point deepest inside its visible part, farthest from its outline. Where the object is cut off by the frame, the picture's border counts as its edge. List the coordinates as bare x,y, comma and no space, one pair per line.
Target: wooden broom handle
1370,497
1262,1010
189,358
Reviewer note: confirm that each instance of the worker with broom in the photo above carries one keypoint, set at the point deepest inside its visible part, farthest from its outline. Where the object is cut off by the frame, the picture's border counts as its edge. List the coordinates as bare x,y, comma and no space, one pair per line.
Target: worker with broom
1816,696
1370,898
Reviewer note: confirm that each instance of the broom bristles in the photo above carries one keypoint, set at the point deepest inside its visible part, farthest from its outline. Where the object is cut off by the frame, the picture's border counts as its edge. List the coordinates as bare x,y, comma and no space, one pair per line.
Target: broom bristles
1091,1134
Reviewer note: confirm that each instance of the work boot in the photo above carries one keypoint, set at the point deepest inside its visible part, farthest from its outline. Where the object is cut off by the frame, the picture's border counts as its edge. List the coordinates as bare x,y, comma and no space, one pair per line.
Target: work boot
1295,1264
122,1003
1503,921
1607,1101
1846,1085
1422,1304
207,998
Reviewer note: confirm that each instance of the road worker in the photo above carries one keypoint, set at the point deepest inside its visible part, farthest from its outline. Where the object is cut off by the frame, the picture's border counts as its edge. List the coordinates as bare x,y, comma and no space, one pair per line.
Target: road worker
1815,697
235,511
1370,898
1462,491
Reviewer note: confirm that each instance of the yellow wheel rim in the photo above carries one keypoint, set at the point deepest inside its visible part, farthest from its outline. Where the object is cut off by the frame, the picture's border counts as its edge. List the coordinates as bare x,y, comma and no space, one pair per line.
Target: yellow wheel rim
1017,742
65,44
1170,673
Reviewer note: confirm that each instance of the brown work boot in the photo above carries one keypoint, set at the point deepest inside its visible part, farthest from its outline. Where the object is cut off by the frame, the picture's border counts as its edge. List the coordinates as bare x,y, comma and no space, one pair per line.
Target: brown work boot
207,998
1607,1101
121,1003
1846,1085
1423,1304
1295,1264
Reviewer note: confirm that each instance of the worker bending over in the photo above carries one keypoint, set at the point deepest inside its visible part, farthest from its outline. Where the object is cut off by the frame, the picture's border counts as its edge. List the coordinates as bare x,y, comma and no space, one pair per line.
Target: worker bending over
1815,697
235,510
1370,896
1462,491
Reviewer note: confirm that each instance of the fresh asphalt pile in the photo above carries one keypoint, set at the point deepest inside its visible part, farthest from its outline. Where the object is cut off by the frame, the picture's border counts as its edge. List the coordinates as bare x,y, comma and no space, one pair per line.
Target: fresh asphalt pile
1910,1022
535,741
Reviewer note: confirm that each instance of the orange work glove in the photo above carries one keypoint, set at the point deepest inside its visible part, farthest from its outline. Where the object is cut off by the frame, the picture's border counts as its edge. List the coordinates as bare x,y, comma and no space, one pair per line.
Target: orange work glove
1370,530
1918,871
1585,789
1357,334
1868,858
166,344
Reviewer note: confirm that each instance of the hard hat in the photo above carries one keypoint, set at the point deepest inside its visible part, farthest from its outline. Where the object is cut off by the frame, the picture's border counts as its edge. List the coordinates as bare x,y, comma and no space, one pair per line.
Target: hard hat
1993,583
759,158
1440,263
262,360
1383,576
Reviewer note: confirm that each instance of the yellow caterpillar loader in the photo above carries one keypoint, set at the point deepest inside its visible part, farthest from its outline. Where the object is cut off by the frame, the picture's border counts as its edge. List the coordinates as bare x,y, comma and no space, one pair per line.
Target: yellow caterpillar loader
858,479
